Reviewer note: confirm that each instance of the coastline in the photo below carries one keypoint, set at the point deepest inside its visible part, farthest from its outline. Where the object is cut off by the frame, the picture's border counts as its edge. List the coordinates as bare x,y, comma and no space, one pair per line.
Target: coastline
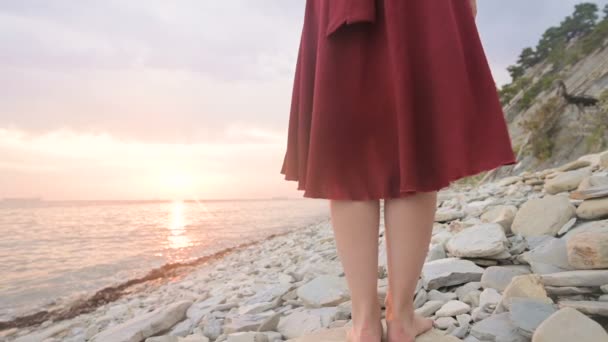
502,265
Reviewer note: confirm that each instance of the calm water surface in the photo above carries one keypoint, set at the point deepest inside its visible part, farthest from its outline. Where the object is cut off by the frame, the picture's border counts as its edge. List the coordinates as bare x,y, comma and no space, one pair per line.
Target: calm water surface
55,251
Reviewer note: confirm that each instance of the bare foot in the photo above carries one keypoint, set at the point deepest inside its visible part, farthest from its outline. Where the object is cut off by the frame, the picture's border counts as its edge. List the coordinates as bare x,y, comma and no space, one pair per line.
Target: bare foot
364,335
407,330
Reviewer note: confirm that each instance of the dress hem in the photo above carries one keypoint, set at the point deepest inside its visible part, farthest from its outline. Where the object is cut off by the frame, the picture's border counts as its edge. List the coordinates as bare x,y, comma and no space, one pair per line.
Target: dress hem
403,193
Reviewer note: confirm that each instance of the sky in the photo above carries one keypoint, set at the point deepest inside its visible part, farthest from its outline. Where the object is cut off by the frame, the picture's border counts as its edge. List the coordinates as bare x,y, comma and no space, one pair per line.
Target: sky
157,99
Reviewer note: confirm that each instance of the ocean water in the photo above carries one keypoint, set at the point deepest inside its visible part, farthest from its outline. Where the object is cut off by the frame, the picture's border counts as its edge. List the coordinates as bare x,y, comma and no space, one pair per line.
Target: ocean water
57,250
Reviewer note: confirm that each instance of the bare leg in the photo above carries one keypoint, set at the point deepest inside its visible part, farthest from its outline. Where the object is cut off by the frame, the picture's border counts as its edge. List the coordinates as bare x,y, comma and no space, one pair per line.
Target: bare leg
408,228
355,225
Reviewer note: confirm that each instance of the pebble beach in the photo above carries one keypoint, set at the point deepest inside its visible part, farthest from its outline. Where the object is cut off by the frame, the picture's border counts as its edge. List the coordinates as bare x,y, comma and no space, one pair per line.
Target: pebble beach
524,258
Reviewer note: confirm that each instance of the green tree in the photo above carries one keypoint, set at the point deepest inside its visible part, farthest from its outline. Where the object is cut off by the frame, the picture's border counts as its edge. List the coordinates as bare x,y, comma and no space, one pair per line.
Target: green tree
528,58
515,71
581,22
551,38
606,12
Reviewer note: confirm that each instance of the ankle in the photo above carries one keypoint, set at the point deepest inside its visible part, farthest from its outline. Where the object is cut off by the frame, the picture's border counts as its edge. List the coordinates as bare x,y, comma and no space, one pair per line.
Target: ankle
400,311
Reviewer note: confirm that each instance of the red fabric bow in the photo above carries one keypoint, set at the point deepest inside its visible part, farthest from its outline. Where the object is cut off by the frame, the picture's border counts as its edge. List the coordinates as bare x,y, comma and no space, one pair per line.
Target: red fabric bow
346,12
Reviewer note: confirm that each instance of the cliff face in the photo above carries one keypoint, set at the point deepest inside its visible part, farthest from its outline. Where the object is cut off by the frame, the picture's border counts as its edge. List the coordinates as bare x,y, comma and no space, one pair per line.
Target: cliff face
548,130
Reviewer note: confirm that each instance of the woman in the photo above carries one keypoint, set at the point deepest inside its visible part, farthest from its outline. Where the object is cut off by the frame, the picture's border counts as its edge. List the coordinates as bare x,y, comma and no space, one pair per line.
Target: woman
392,100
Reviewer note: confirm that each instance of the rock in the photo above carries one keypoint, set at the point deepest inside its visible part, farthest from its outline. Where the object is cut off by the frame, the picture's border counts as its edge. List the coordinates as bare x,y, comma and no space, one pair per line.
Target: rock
498,277
563,230
603,159
593,209
453,308
501,214
194,338
509,180
489,299
496,328
463,290
247,337
588,250
593,226
441,296
527,314
586,306
472,298
574,165
445,215
436,252
566,181
553,252
479,241
524,286
449,271
567,325
146,325
444,323
545,216
604,288
592,181
165,338
300,323
576,278
324,290
429,308
46,333
268,324
248,322
268,295
420,298
568,290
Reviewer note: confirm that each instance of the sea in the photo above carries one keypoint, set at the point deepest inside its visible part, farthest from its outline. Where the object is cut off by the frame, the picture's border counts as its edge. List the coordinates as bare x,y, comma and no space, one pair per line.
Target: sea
51,252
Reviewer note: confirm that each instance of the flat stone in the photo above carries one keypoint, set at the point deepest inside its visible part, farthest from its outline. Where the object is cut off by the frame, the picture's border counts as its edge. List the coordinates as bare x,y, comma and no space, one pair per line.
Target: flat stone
588,250
248,322
566,181
567,325
268,295
574,165
499,277
588,307
496,328
248,336
593,181
489,299
593,209
501,214
449,271
146,325
429,308
592,226
509,180
453,308
563,230
552,251
527,314
436,252
576,278
568,290
444,323
442,296
462,291
524,286
300,323
445,215
479,241
324,290
544,216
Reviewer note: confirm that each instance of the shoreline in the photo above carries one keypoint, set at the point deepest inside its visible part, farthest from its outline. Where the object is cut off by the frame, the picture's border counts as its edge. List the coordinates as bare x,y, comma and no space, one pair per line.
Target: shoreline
111,293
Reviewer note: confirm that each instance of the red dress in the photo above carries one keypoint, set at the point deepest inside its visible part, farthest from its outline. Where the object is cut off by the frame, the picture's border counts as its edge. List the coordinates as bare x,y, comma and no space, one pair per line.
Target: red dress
391,97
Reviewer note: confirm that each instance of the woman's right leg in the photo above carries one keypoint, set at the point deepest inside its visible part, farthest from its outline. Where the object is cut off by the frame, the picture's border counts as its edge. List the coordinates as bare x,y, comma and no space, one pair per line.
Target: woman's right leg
408,227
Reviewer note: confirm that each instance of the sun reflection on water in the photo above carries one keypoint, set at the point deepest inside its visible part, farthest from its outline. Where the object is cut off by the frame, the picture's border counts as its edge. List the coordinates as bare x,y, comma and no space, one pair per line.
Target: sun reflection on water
177,226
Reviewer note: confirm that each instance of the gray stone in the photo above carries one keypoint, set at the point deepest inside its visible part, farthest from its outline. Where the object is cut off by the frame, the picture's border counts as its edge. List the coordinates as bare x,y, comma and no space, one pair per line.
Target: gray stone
436,252
563,230
501,214
324,290
496,327
305,321
593,209
449,271
489,299
248,336
479,241
566,181
462,291
429,308
553,252
498,277
441,296
453,308
588,250
146,325
545,216
444,322
268,295
523,286
576,278
527,314
588,307
568,290
444,215
567,325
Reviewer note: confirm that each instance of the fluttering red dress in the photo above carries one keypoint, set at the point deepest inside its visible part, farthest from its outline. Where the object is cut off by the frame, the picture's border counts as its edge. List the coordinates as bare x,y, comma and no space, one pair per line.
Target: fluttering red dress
391,97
